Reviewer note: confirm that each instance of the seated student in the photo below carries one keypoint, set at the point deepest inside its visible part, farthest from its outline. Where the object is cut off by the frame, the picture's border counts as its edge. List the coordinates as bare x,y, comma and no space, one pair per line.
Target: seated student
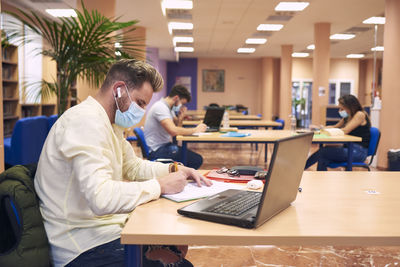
355,121
161,125
88,178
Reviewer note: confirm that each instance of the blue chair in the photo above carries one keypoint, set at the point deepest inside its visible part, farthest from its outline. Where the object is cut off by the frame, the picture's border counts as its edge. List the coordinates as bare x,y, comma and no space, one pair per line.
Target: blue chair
131,138
142,142
50,121
279,127
26,142
372,148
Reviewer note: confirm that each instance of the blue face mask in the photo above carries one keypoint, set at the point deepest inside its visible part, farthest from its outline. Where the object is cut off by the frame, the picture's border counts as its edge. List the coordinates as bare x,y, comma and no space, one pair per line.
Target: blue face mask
343,113
176,109
132,116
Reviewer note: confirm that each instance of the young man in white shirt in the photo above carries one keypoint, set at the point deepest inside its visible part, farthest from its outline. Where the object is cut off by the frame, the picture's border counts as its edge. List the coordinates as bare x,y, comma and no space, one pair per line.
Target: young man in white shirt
164,121
88,178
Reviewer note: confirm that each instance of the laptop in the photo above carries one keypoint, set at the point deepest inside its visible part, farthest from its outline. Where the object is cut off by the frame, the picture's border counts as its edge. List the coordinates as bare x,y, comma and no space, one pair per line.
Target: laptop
280,189
213,118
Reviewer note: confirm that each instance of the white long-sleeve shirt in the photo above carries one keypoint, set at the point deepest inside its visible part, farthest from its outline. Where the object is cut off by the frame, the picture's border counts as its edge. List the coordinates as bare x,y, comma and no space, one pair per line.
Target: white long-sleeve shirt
88,179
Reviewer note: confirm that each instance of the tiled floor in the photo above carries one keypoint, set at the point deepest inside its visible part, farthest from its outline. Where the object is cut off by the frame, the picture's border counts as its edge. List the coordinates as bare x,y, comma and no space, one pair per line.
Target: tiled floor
217,155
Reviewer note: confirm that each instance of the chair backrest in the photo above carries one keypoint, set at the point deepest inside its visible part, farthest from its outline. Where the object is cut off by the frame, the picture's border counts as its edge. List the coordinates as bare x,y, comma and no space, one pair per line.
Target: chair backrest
374,141
50,121
279,127
142,142
28,138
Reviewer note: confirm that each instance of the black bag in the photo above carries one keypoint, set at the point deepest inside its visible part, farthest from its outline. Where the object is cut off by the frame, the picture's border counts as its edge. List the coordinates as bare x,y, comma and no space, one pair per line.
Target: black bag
394,160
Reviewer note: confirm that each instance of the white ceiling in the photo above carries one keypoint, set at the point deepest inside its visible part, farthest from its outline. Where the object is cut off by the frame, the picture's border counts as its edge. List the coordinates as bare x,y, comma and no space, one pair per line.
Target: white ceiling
222,26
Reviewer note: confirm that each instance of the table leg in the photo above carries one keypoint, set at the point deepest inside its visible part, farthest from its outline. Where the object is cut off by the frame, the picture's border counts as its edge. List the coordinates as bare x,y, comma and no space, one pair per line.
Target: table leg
184,153
133,255
266,154
350,157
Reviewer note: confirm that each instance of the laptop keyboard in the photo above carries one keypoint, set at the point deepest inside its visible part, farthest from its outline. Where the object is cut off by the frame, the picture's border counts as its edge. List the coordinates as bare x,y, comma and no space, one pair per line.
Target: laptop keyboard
236,205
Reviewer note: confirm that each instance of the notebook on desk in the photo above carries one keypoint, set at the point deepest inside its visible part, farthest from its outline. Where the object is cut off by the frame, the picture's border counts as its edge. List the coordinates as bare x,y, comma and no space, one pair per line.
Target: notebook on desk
213,119
250,209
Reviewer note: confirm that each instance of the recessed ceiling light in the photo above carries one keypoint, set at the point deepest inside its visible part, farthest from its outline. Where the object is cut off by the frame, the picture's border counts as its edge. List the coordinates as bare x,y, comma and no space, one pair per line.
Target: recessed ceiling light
355,55
59,12
342,36
300,54
377,48
311,47
179,26
176,4
375,20
246,50
256,41
182,39
269,27
184,49
291,6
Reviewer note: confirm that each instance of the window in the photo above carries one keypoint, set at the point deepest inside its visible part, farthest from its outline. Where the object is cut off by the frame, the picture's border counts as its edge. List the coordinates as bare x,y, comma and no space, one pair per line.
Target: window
338,88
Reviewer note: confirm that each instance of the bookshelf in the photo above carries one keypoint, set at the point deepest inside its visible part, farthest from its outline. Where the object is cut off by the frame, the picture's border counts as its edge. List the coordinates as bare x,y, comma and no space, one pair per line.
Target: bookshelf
11,107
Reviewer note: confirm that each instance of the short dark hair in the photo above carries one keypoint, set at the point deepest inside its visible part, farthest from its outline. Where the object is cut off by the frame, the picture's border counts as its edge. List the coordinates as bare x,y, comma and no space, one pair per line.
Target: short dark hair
134,73
180,91
351,102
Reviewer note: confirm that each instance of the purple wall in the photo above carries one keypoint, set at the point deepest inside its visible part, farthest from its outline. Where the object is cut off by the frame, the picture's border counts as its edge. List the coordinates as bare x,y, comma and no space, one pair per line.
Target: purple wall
184,67
161,65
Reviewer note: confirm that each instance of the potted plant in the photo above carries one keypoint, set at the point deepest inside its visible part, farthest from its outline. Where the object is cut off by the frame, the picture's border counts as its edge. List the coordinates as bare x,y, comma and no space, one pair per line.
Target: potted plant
82,46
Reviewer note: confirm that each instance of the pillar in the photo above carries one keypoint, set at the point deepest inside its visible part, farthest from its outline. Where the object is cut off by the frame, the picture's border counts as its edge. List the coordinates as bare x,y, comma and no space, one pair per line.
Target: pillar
285,98
267,78
389,122
321,62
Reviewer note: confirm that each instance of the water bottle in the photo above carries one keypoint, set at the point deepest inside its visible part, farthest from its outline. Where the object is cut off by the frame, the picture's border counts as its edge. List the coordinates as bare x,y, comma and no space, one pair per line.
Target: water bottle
293,122
225,120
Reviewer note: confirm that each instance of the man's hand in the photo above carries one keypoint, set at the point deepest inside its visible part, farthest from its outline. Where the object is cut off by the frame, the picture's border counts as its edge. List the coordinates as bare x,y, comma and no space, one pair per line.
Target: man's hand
182,113
173,183
195,176
201,128
176,181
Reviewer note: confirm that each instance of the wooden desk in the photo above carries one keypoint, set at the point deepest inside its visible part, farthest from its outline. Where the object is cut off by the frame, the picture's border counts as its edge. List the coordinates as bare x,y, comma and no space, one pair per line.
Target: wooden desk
265,136
240,123
333,209
231,117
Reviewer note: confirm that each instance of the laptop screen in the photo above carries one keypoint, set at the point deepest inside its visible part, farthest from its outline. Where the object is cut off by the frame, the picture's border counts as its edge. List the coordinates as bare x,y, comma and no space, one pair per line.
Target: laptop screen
284,176
213,117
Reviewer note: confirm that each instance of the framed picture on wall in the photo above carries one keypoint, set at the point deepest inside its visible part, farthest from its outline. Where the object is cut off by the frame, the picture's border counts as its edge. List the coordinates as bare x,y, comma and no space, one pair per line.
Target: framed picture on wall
213,80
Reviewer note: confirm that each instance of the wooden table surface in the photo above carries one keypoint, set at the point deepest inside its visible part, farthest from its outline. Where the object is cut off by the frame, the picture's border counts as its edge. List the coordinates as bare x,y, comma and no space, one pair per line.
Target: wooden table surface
334,208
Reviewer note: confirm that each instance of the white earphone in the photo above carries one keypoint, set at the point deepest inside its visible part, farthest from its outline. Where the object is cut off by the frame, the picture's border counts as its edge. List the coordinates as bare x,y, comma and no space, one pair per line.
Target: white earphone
119,92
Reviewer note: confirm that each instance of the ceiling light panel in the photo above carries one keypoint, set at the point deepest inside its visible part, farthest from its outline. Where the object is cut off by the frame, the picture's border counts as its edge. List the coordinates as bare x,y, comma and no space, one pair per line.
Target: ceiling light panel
182,39
378,48
184,49
269,27
296,54
291,6
246,50
355,55
375,20
256,41
342,36
59,12
179,26
311,47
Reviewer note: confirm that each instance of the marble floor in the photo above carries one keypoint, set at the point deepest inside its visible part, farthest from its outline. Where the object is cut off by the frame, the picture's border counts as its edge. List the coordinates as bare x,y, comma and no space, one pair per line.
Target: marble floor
230,155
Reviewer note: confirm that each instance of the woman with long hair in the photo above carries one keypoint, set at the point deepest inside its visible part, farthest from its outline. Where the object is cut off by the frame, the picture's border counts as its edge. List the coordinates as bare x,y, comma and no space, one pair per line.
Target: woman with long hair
355,121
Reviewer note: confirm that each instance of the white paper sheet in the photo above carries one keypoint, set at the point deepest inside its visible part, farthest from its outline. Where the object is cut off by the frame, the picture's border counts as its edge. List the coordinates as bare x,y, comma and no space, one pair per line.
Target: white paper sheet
192,191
